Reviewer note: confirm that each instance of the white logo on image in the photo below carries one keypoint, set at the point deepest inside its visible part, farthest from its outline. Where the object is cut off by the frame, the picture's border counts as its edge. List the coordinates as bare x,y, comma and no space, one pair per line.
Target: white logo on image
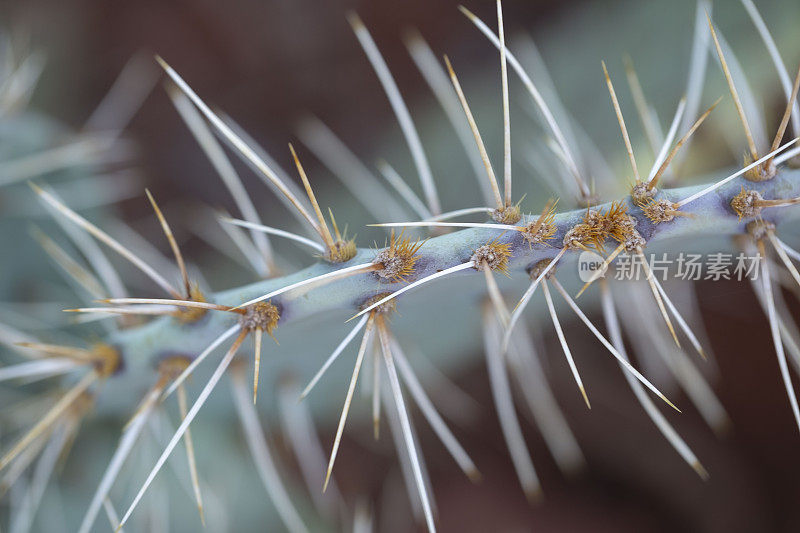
588,265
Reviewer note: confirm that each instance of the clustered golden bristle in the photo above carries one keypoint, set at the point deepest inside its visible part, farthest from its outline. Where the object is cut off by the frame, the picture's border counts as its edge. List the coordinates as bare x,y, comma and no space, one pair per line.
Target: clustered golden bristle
509,214
763,172
494,255
641,193
632,240
597,227
398,259
748,204
745,204
623,228
263,316
543,228
577,235
617,221
660,210
343,249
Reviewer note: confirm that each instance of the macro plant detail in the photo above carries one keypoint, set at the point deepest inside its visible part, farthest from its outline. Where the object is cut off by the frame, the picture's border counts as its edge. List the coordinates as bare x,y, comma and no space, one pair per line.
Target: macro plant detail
164,343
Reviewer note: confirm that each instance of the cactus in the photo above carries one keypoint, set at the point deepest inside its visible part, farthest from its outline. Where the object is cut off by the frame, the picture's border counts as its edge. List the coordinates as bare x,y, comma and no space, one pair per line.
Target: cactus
156,344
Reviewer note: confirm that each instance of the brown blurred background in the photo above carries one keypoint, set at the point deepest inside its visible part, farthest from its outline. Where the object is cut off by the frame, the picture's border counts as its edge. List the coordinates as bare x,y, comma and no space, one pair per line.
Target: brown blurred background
265,63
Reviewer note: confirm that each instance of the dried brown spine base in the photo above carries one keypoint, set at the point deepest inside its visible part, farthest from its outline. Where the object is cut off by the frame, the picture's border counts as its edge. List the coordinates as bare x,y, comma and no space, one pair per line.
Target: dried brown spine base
106,359
398,259
190,315
542,229
745,204
509,214
633,241
263,316
576,237
343,250
748,204
763,172
659,211
536,270
598,226
383,309
641,193
493,255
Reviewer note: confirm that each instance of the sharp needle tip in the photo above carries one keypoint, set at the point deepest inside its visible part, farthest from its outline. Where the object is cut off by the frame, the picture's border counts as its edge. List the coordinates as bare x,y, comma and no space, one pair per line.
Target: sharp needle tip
474,475
585,396
701,471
